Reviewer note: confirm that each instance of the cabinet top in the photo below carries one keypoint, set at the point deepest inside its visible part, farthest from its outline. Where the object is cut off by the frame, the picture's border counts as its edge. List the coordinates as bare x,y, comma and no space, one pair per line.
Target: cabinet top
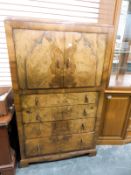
5,120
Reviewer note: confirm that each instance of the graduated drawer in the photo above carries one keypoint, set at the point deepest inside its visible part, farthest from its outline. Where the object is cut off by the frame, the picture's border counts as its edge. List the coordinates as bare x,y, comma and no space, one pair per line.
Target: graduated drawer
59,113
58,144
48,100
36,130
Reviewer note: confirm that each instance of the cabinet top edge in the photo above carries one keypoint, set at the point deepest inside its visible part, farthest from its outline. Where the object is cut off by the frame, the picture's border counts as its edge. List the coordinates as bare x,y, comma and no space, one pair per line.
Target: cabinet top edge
38,24
118,91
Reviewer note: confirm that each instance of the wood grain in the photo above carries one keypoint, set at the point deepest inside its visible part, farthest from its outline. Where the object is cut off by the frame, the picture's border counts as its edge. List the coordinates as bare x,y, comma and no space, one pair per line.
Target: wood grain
57,144
40,130
115,115
59,113
40,61
51,92
48,100
84,51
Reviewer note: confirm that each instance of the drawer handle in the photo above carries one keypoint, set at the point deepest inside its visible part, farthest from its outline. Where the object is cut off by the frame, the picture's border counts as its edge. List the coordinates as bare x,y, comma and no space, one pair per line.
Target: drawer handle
58,64
38,118
86,99
84,113
81,141
28,112
82,127
68,63
36,101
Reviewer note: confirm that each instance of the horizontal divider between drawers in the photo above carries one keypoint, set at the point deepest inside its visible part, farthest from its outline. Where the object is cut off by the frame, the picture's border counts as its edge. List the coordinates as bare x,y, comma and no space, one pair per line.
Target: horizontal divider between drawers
48,137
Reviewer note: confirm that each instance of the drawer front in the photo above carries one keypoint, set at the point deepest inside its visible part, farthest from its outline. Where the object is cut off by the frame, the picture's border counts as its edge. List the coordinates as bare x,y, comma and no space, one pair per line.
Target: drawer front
59,144
37,130
59,113
47,100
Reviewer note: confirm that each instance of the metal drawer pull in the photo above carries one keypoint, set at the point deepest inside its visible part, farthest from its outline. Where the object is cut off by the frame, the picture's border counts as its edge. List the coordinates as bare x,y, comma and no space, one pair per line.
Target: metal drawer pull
82,127
28,112
86,99
38,118
84,113
36,101
81,141
68,63
58,64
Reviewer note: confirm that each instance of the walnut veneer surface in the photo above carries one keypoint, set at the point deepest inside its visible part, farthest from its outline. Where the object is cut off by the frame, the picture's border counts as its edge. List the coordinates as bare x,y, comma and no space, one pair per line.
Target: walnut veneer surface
58,73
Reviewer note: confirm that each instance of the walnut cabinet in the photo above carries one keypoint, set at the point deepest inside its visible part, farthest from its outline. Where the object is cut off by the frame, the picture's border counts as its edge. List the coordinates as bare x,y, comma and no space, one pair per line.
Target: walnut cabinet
58,75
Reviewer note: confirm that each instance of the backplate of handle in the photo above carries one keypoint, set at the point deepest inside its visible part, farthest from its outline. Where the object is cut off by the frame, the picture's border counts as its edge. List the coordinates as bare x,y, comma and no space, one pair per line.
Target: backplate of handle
68,63
57,64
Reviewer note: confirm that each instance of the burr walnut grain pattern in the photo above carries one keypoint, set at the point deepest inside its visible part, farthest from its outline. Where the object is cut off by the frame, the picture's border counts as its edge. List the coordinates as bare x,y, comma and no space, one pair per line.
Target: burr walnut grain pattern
59,72
32,115
59,59
40,130
48,100
59,144
84,57
39,57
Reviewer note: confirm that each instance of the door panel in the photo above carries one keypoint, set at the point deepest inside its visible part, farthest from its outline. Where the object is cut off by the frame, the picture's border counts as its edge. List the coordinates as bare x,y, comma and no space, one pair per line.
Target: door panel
39,58
84,59
115,115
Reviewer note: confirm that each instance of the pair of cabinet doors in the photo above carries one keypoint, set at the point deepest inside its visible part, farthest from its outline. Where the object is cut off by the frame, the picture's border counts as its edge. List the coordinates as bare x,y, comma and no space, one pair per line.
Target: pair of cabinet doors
55,59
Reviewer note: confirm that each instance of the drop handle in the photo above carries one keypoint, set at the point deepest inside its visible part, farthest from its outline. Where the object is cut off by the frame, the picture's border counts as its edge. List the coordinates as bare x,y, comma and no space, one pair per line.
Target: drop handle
82,127
68,63
86,99
36,101
38,118
84,113
81,141
58,64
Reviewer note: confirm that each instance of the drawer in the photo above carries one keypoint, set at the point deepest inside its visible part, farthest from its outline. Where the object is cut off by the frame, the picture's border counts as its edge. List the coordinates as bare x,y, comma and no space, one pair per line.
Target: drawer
37,130
59,113
48,100
59,144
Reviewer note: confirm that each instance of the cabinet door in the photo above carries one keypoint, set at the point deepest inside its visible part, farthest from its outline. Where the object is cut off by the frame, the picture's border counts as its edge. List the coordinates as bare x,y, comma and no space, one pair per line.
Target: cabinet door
39,57
84,59
115,115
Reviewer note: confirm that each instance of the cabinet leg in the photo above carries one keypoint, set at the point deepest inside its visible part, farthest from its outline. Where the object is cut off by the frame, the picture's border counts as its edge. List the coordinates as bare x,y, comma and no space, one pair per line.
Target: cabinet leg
92,154
23,163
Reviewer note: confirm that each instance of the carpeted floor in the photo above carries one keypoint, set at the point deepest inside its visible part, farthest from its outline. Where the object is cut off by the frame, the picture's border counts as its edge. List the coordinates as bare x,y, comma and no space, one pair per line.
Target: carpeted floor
110,160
